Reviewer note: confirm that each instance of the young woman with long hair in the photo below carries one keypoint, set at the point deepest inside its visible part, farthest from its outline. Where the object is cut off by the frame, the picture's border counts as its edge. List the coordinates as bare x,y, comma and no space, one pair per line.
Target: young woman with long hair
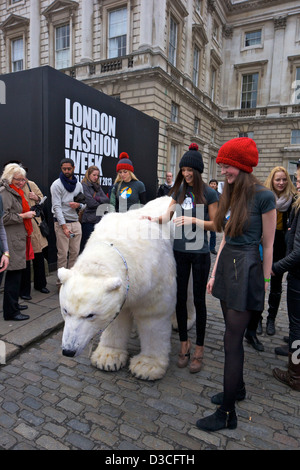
291,264
285,192
189,196
238,278
94,196
127,190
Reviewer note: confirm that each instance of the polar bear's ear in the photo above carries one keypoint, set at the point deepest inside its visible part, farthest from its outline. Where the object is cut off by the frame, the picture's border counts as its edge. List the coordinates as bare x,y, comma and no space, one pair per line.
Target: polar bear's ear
63,274
113,283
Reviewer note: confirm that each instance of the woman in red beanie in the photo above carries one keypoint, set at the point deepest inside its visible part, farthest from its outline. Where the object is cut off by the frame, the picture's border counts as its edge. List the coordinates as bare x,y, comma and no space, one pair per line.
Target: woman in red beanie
238,278
127,189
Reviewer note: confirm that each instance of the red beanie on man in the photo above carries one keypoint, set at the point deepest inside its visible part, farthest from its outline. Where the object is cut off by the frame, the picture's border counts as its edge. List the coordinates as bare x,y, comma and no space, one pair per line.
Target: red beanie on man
241,153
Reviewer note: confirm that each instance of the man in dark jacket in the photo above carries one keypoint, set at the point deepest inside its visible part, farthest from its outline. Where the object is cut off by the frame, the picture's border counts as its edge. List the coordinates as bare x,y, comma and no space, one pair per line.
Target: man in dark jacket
164,189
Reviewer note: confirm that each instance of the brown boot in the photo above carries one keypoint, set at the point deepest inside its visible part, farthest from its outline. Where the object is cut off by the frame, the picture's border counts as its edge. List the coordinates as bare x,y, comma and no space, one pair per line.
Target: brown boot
291,377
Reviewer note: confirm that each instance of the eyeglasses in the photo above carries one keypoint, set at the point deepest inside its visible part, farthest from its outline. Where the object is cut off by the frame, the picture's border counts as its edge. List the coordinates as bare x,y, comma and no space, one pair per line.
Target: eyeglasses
19,179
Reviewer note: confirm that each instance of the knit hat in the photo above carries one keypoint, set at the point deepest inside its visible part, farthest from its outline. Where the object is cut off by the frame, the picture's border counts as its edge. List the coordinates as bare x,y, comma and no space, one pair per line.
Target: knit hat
124,163
241,153
192,159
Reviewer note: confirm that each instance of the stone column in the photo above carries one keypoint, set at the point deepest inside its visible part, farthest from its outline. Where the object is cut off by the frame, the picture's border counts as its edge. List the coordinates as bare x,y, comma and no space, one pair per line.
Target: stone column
159,23
35,33
87,31
146,16
189,56
278,49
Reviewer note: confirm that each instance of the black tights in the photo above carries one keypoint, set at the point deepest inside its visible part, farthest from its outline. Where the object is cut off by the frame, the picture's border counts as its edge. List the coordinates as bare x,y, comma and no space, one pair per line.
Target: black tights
235,325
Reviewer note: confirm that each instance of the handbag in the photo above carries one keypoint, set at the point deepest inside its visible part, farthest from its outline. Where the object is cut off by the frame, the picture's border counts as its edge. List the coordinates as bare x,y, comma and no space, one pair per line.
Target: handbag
43,226
80,197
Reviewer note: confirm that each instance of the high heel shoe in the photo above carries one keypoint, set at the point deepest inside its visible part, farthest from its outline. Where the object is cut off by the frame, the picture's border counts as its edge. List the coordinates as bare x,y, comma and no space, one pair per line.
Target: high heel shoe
183,359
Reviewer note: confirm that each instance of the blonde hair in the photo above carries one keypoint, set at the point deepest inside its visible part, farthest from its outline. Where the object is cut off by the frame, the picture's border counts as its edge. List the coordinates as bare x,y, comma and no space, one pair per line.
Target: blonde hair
132,175
11,170
290,189
88,172
296,204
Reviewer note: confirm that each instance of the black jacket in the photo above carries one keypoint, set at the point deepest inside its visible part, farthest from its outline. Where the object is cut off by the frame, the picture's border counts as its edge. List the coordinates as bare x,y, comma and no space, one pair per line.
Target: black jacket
291,262
163,190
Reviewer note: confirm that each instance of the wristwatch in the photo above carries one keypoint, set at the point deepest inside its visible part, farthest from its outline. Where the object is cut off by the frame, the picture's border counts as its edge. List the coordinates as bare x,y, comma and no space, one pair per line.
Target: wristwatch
6,254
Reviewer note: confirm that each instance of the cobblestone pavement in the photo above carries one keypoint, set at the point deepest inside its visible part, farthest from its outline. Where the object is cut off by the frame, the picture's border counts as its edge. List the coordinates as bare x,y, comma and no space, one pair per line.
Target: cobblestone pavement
48,401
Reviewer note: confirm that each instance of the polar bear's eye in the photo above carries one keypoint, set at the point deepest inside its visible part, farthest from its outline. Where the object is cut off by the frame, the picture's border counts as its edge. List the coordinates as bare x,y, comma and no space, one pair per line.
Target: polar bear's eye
90,316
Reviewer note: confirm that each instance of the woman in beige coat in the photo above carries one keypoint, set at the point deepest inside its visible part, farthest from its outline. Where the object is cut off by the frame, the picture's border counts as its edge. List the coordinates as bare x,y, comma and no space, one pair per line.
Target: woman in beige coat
34,195
17,222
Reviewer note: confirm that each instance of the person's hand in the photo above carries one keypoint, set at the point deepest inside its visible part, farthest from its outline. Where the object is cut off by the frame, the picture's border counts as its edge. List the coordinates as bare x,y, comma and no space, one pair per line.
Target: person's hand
28,215
66,231
210,285
148,217
33,196
183,220
4,263
74,205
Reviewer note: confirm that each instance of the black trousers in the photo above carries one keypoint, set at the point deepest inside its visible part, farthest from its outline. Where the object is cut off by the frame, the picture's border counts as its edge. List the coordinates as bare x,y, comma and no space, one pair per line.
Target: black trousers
11,293
199,263
293,307
39,276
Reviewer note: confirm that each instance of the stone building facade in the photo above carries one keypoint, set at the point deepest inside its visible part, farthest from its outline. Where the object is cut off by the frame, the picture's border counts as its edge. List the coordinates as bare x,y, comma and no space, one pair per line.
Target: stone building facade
207,70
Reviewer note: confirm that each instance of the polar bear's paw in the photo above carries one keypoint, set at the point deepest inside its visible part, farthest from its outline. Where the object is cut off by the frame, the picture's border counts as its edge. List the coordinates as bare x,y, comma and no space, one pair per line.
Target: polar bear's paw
109,359
147,368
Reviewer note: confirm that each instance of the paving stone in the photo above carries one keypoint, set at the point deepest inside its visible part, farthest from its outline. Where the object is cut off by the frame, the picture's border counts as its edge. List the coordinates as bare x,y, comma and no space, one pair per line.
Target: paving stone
51,402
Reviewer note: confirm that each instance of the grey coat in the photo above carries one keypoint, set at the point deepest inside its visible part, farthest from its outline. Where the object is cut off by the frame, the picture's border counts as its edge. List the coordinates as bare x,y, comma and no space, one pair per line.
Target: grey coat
14,227
93,200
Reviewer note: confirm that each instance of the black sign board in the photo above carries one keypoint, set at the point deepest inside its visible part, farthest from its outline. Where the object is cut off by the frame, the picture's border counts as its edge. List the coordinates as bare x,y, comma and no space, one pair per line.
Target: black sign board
46,115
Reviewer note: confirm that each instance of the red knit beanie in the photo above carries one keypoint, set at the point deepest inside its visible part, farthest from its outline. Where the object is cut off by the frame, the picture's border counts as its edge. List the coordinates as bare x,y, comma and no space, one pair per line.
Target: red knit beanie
241,153
124,163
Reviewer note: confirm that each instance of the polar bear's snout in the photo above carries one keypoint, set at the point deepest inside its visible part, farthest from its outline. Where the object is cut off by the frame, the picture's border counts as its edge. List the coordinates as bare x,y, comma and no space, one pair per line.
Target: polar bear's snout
68,353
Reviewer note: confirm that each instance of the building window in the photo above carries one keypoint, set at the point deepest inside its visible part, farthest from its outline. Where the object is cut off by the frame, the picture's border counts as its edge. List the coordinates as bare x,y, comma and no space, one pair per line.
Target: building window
249,91
213,136
198,6
62,47
295,137
247,134
17,55
196,62
173,41
117,33
196,126
173,158
174,112
252,38
213,83
215,33
297,87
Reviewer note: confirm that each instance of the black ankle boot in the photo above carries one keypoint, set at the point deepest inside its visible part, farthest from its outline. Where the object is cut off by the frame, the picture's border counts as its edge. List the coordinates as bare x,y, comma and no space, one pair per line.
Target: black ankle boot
218,398
219,420
270,328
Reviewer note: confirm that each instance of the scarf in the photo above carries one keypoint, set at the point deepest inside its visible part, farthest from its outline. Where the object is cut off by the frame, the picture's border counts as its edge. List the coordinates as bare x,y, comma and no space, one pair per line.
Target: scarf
283,203
25,208
69,184
96,187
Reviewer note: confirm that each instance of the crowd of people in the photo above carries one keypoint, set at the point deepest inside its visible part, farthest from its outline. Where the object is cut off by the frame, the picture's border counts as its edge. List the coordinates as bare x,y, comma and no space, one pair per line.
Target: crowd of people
261,242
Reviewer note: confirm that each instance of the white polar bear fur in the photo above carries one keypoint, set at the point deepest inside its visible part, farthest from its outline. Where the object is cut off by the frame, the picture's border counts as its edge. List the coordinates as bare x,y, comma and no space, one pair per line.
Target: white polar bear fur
94,290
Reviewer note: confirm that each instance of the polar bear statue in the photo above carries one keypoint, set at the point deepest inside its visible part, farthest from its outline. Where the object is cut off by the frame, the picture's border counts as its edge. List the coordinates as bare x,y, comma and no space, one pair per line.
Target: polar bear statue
126,275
